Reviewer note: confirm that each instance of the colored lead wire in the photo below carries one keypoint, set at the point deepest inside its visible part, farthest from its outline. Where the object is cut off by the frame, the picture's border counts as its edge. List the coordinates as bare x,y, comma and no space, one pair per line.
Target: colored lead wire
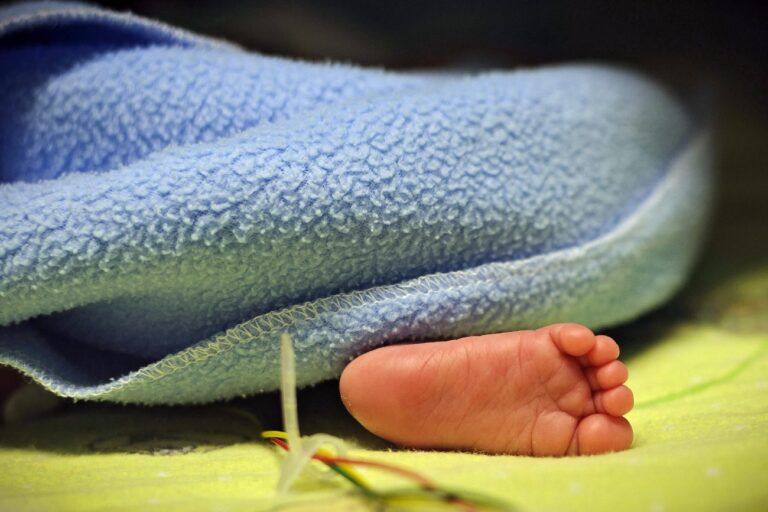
428,490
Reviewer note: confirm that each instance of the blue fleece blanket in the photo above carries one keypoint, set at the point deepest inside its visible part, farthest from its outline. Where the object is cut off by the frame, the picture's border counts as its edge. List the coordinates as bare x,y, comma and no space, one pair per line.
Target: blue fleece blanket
169,205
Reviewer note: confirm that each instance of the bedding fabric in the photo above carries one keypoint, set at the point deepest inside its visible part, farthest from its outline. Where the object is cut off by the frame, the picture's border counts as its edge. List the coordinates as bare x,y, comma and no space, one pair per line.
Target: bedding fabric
171,204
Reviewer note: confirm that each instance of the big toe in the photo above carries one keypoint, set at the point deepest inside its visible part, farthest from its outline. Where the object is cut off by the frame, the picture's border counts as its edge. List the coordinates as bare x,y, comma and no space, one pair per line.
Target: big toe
601,433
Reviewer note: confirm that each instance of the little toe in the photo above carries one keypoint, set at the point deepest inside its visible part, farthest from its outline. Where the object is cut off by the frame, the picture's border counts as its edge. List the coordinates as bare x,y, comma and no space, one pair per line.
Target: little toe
599,433
616,402
603,352
573,339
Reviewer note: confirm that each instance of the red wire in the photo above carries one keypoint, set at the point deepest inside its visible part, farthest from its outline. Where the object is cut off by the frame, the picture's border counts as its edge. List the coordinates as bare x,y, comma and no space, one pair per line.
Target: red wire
426,484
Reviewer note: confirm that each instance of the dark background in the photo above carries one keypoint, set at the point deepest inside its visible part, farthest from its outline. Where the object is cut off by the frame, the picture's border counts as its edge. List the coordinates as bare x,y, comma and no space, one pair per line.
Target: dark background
709,41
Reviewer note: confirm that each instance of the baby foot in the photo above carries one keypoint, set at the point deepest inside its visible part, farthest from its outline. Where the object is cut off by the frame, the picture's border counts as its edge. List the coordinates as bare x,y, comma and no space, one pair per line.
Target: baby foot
554,391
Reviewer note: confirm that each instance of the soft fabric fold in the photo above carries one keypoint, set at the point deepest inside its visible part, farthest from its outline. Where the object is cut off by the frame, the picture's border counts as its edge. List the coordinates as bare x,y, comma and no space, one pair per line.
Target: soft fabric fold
171,204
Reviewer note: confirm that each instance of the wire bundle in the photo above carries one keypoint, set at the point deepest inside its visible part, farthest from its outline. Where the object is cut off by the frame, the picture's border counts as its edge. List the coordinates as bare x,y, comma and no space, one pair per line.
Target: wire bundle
300,451
427,493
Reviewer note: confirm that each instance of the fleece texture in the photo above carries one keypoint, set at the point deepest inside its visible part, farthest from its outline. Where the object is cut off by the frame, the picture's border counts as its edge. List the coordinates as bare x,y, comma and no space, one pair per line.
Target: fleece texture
172,204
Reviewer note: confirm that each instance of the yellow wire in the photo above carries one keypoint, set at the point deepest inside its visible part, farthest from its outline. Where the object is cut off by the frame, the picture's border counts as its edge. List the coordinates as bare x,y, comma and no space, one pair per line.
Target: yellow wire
277,434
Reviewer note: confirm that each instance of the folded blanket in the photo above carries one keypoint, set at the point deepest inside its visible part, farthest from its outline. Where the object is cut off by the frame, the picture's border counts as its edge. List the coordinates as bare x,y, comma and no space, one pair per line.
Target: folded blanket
172,204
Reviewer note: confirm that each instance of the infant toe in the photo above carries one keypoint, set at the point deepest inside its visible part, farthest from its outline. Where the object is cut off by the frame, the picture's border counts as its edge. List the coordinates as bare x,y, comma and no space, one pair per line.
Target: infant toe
616,402
573,339
611,375
603,352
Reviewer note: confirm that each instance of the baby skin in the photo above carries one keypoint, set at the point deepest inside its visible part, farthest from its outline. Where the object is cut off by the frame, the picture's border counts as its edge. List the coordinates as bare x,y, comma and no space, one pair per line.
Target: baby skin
551,392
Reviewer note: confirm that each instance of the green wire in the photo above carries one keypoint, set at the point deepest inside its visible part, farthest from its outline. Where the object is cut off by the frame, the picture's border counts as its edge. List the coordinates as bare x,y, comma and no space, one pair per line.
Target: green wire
448,497
363,488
